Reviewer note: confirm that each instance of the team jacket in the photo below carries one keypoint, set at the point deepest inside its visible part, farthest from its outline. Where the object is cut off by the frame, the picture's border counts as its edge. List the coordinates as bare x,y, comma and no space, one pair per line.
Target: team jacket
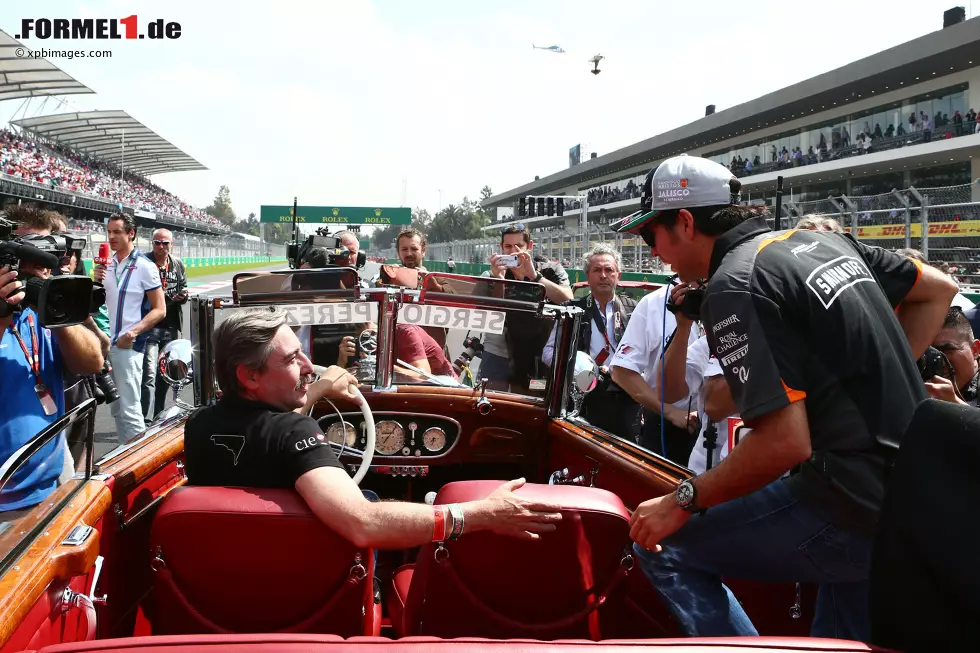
809,316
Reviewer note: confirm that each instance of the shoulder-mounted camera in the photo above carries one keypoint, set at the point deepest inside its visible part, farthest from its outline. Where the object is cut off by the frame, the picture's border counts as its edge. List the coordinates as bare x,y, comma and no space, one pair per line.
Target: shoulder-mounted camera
322,250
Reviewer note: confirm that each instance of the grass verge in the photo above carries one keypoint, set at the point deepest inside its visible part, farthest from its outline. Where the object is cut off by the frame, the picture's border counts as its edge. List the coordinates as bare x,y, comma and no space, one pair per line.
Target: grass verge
231,267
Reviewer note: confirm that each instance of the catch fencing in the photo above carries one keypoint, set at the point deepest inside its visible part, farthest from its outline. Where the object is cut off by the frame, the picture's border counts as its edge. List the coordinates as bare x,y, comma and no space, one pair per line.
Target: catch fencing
943,222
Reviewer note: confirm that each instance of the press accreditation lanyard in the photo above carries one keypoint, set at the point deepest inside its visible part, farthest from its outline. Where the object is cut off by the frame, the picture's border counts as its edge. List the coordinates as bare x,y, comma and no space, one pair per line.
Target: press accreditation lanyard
41,390
602,325
121,287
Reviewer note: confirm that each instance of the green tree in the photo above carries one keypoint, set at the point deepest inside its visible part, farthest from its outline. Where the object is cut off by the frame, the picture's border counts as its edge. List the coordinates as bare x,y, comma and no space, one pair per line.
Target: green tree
221,207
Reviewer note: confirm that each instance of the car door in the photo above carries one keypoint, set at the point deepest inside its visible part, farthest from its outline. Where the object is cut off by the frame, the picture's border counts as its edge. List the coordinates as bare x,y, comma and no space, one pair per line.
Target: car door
49,552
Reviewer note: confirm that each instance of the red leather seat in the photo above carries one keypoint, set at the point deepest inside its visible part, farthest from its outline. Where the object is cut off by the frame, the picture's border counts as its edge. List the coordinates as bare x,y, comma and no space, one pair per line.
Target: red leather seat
237,560
488,585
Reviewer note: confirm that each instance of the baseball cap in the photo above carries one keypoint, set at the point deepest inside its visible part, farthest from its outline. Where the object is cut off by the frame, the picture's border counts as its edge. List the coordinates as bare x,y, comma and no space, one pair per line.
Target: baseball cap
680,182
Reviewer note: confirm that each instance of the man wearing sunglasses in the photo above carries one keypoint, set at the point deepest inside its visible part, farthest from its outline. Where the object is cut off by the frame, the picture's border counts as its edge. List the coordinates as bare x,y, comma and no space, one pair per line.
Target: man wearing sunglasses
173,279
817,335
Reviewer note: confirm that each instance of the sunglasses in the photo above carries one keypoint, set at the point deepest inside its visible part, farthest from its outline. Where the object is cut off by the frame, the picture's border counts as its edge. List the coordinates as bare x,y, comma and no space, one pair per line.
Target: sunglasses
162,243
515,229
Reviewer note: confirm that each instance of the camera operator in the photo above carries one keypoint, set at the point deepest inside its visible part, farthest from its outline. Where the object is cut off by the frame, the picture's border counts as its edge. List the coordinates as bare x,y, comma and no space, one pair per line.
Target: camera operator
33,360
173,279
828,385
603,324
136,303
957,343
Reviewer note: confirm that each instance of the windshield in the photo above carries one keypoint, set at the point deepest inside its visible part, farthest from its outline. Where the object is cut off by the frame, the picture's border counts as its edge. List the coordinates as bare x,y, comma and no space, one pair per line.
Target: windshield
463,329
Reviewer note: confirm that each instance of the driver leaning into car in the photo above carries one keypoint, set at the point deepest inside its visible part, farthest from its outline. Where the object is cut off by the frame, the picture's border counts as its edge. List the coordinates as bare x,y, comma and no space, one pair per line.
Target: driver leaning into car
258,435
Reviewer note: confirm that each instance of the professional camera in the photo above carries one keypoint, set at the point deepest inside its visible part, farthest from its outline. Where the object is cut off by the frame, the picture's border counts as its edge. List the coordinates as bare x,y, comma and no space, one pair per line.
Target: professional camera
105,383
61,300
321,250
934,363
471,347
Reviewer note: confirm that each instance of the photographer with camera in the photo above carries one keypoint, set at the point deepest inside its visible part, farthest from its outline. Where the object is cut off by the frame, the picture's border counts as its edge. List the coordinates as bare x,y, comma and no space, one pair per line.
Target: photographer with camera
603,325
950,367
827,383
173,279
136,303
33,360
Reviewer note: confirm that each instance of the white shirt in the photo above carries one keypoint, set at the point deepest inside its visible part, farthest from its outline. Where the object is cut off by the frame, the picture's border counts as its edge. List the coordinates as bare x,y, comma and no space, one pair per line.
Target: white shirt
649,326
596,343
133,278
701,366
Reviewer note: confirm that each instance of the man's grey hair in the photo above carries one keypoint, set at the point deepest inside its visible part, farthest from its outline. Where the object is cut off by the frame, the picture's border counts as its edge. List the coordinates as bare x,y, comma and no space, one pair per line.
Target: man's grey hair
162,231
814,222
244,338
341,235
603,249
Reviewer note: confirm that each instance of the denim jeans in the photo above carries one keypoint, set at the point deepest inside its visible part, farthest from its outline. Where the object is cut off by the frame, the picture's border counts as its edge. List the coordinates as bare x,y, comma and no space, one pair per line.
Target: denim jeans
127,372
153,392
765,536
496,369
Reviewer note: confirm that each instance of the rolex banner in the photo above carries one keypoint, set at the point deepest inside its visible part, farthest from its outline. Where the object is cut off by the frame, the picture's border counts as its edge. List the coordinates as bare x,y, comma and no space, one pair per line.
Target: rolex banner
336,215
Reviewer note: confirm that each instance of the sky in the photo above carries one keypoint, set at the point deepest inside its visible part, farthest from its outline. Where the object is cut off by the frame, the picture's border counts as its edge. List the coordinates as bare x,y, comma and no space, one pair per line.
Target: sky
395,103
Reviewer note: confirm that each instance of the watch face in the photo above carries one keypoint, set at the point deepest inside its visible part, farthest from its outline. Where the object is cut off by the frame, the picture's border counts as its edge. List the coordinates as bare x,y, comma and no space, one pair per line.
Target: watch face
685,493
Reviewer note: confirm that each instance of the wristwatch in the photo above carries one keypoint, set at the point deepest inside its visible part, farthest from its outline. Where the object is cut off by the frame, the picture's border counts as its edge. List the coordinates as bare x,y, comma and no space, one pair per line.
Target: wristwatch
687,495
537,277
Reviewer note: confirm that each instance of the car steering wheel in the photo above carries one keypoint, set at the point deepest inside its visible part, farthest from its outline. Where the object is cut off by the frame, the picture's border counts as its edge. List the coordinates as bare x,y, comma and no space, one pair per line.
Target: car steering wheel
369,432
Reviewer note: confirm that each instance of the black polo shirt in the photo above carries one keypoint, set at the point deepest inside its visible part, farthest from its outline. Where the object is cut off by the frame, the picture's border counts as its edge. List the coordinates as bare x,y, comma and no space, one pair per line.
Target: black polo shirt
809,316
245,443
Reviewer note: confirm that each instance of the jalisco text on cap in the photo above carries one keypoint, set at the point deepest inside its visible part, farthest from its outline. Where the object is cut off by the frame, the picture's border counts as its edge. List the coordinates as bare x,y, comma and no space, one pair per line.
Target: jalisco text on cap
97,28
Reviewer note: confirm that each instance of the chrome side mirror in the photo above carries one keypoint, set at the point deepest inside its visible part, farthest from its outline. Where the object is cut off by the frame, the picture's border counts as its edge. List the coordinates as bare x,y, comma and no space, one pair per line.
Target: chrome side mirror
585,378
176,365
586,372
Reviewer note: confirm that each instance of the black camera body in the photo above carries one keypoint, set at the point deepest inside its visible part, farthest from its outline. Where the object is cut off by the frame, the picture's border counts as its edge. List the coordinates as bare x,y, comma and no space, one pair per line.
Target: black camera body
691,306
321,250
61,300
934,363
472,346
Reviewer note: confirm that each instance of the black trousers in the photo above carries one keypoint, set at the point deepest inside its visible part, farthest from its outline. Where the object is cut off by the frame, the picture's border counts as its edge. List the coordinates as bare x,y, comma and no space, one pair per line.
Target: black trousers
613,411
679,441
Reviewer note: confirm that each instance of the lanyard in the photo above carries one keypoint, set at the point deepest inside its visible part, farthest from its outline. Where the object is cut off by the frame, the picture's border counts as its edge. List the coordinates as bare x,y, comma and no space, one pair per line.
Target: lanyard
121,290
164,270
35,360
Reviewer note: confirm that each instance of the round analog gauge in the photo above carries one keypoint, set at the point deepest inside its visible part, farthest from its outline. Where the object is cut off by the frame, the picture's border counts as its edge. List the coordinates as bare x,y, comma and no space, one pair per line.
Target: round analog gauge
434,439
390,438
342,433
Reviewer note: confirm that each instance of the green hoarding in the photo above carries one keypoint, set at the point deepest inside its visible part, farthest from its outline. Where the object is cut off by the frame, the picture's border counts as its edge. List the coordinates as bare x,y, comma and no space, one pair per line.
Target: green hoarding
337,215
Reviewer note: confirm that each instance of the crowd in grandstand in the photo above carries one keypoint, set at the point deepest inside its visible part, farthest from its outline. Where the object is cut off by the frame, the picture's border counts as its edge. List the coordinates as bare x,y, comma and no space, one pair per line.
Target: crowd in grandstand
62,168
920,128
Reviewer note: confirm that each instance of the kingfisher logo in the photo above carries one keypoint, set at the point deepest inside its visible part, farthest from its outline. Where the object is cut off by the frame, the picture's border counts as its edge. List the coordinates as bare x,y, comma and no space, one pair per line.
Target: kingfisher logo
97,28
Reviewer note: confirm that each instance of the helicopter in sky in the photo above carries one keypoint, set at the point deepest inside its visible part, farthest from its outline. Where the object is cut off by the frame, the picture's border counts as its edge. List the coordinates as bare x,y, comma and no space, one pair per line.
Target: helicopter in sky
595,63
550,48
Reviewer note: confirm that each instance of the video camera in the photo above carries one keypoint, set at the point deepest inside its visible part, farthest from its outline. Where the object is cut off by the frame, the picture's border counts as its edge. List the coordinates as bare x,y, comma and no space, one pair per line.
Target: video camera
321,250
61,300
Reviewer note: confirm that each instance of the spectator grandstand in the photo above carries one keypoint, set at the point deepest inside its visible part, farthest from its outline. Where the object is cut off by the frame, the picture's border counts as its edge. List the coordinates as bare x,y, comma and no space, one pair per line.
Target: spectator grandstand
60,168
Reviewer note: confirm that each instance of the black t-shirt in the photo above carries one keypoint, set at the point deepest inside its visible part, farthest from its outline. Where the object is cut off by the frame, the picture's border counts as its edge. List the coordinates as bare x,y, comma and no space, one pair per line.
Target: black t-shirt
173,279
245,443
805,315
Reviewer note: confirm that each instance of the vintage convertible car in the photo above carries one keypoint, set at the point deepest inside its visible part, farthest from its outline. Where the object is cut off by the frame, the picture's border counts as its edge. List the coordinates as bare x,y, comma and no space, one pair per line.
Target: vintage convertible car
124,555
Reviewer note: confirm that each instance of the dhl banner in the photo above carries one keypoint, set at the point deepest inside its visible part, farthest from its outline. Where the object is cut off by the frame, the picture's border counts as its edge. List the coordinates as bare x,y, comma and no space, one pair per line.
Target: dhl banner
957,229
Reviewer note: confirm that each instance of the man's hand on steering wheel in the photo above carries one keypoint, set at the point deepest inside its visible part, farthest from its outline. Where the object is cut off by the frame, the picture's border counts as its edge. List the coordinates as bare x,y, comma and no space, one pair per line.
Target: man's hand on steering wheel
334,383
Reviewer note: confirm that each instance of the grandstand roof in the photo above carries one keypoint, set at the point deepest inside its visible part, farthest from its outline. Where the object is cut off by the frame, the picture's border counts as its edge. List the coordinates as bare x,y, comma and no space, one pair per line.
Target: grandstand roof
102,135
22,77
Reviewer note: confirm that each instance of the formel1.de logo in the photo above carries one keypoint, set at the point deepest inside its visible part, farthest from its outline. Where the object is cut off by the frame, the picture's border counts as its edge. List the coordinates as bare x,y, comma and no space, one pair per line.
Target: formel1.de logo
97,28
